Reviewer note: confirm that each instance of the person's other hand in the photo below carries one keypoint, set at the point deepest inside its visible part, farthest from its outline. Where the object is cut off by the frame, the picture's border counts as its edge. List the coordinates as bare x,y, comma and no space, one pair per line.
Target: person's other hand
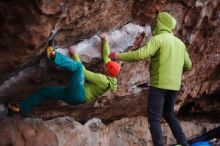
113,55
103,36
52,54
72,50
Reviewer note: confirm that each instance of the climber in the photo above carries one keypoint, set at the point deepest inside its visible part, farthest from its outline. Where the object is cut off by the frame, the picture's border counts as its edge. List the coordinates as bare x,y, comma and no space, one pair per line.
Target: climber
83,86
169,58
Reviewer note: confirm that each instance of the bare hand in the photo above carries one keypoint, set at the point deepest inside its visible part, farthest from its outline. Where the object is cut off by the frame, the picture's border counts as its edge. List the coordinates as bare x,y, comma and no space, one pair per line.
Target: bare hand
52,54
103,36
72,50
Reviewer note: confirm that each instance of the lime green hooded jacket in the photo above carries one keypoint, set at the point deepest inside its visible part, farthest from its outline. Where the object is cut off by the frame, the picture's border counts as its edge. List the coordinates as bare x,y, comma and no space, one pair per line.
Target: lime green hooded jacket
97,84
168,55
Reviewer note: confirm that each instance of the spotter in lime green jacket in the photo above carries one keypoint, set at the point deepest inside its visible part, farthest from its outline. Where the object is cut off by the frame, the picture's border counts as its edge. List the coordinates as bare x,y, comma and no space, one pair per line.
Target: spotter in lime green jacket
97,84
168,54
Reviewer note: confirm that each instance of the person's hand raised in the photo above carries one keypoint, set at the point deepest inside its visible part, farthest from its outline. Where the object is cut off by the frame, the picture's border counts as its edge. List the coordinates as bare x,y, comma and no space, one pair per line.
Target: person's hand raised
103,36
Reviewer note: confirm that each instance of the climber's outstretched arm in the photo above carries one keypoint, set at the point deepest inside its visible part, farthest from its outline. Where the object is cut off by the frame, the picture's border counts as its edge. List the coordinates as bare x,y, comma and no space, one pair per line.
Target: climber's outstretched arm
105,48
90,76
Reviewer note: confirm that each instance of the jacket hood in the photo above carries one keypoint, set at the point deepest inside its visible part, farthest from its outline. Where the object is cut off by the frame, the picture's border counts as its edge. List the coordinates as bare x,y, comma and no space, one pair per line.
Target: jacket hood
113,84
165,22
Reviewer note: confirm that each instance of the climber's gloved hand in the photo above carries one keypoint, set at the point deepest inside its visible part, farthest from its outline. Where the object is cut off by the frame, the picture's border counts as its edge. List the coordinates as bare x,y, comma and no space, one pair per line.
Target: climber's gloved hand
103,36
72,50
113,55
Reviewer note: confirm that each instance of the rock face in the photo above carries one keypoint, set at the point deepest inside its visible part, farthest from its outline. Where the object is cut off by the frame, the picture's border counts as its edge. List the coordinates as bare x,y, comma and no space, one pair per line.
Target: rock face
28,132
67,132
28,25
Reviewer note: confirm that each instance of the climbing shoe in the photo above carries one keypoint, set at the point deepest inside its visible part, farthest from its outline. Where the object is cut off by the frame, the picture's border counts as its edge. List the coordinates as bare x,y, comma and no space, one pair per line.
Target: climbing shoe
14,107
49,51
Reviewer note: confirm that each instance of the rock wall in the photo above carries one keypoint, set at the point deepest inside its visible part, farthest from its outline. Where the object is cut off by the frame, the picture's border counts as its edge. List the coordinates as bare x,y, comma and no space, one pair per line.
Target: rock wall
28,25
67,132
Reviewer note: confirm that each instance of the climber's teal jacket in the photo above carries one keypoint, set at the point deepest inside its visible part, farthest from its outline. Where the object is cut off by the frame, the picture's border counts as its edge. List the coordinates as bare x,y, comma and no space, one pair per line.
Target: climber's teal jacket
168,55
97,84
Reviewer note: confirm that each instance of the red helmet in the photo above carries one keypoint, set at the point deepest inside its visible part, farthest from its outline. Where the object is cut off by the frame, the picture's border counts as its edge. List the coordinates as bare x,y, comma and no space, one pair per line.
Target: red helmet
113,68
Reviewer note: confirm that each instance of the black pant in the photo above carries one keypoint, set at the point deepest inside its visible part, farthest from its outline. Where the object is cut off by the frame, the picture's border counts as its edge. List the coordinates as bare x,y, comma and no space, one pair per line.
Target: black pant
161,100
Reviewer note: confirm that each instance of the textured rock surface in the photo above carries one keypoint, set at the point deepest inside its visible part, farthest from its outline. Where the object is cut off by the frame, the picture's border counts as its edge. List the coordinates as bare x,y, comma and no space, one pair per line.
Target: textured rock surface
27,26
29,132
67,132
89,51
119,40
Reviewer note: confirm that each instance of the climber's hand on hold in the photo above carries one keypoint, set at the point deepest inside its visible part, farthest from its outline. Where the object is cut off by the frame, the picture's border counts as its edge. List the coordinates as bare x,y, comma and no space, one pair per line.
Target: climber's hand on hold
103,36
52,54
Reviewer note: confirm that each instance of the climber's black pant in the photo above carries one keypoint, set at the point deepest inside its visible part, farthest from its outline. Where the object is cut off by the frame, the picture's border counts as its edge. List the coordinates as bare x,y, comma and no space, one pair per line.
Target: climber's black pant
162,100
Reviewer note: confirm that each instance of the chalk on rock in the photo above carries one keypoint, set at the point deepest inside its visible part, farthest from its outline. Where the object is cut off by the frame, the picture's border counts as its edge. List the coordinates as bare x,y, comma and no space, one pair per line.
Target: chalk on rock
93,124
119,40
